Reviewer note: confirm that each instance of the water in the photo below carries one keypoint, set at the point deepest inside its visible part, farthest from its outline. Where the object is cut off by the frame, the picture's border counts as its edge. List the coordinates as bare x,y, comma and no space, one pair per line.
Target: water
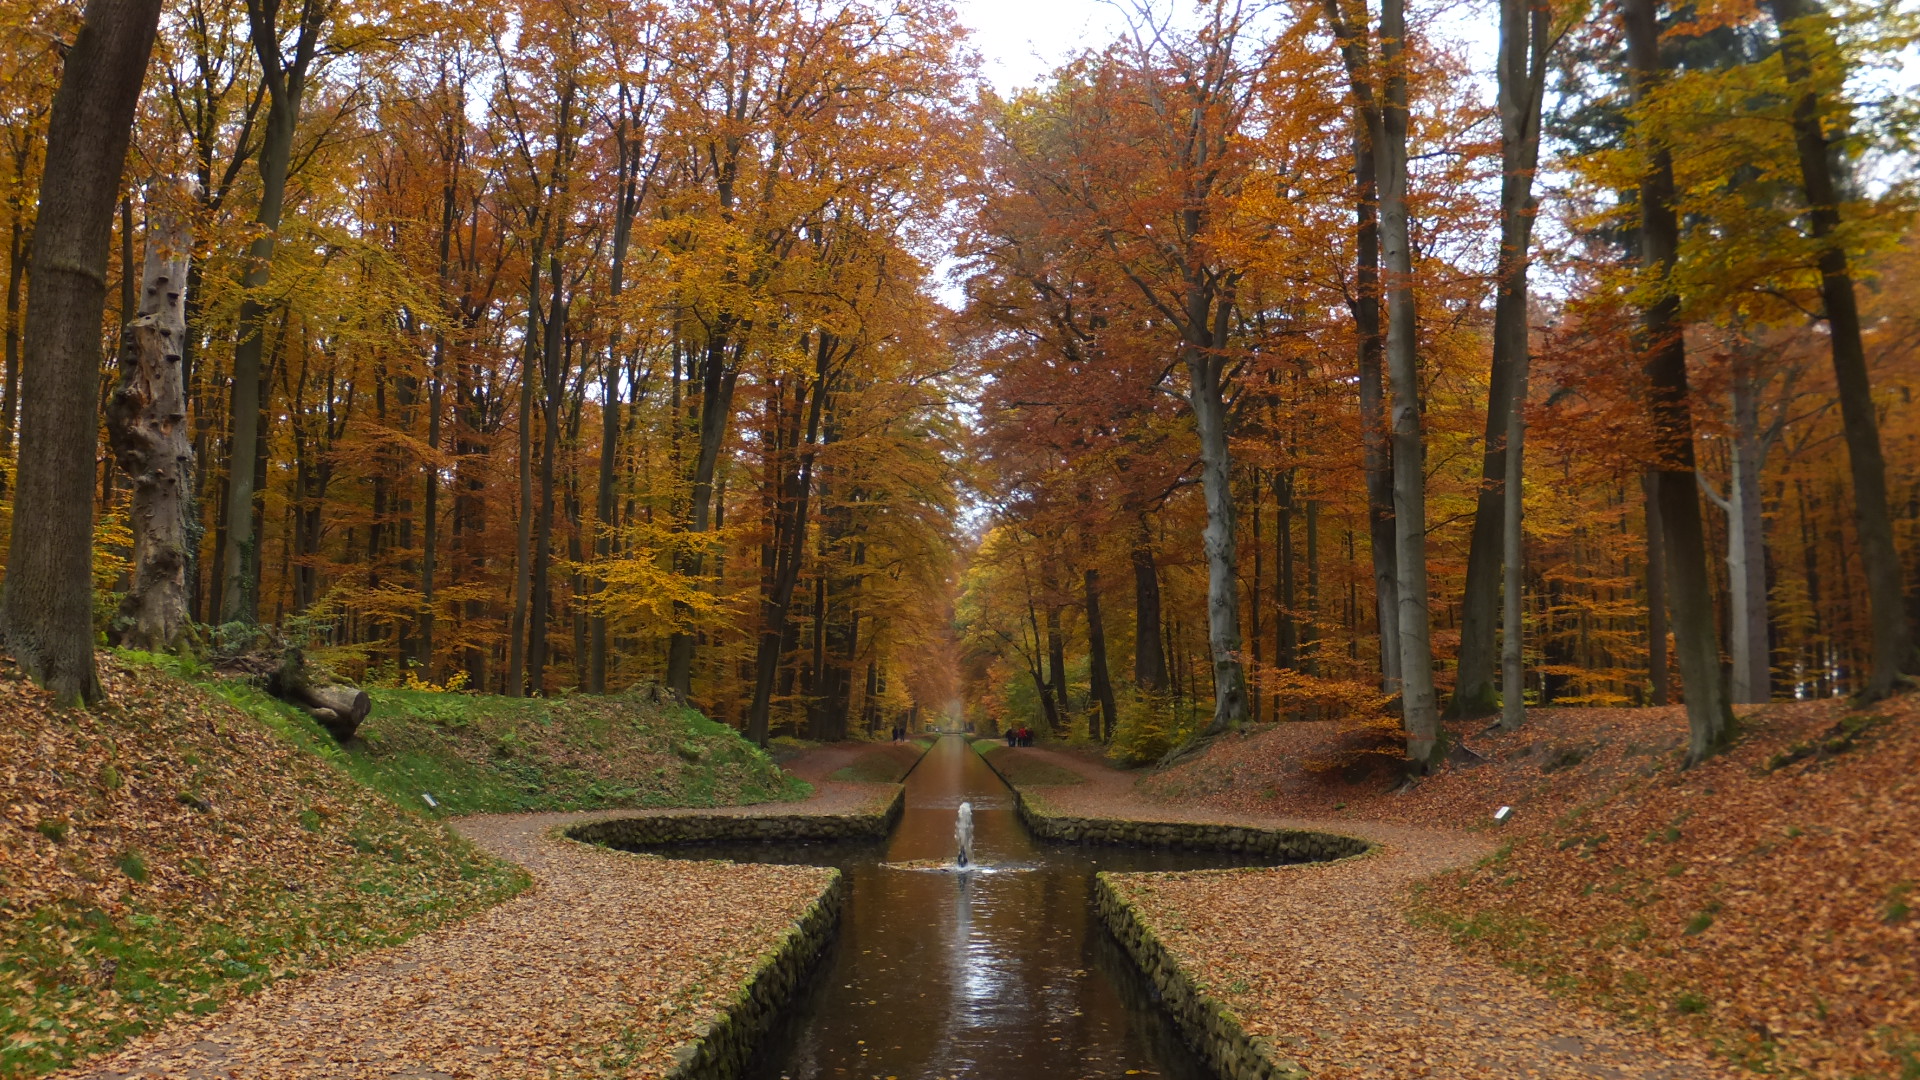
1001,972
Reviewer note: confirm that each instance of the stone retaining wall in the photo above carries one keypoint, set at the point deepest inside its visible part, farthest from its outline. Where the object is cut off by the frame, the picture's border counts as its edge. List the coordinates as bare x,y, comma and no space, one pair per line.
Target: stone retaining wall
1209,1026
723,1052
659,829
1276,845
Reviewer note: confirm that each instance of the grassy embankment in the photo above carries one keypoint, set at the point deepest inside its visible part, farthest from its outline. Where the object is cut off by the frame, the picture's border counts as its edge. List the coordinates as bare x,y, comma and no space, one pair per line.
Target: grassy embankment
189,841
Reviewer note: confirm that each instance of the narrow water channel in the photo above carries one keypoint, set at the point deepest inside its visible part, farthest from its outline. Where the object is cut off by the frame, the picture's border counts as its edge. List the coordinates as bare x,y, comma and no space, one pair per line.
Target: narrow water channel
1000,973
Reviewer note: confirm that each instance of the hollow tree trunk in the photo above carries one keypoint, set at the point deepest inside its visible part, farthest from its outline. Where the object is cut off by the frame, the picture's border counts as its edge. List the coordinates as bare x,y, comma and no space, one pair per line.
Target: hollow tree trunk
147,427
1709,720
1893,645
48,606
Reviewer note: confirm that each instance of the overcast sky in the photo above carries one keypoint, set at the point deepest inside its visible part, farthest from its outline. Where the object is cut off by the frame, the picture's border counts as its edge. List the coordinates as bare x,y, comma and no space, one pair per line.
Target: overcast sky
1022,40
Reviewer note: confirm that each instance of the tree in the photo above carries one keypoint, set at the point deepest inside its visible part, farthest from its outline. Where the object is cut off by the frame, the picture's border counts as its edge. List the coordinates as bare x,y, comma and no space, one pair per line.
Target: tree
1526,45
48,608
147,427
285,78
1806,52
1683,539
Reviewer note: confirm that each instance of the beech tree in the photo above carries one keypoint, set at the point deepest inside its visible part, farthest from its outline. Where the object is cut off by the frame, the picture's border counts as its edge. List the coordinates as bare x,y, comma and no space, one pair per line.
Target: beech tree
48,607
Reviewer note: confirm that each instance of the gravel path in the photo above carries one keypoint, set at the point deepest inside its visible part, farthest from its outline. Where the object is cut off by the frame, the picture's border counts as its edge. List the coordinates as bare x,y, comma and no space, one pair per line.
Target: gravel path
1323,960
602,968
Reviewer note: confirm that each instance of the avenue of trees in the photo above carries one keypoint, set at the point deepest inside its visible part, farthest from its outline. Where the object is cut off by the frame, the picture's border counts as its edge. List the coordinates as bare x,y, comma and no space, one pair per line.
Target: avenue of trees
1287,368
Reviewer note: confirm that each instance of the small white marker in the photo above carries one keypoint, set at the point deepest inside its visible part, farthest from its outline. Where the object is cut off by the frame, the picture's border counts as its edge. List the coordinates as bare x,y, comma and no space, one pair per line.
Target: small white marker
1501,815
428,799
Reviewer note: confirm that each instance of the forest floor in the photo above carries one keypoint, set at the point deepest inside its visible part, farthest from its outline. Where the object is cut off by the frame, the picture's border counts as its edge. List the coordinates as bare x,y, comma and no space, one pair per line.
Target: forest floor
206,882
1631,919
605,967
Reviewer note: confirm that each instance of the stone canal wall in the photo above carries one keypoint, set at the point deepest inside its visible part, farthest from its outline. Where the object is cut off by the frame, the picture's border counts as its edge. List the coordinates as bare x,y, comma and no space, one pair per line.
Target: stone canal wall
728,1045
1209,1026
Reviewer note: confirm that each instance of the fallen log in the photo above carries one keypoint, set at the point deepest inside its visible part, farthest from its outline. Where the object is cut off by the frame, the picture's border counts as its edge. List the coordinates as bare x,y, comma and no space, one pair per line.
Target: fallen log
335,706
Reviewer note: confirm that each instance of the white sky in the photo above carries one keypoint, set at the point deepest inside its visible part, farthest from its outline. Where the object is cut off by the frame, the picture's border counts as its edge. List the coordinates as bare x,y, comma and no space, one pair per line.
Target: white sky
1021,40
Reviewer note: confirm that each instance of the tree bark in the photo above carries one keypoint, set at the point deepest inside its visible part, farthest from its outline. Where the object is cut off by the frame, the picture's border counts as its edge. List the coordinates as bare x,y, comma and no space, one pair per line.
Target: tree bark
339,709
1524,43
147,428
1419,709
1218,541
553,377
1149,657
1101,682
1751,680
1709,719
1513,661
48,606
1656,594
719,373
286,83
1893,643
1377,449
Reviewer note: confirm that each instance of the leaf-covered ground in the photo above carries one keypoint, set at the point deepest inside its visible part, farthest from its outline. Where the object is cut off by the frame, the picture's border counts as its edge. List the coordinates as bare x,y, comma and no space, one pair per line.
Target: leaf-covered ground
610,963
165,852
1322,959
1760,904
603,969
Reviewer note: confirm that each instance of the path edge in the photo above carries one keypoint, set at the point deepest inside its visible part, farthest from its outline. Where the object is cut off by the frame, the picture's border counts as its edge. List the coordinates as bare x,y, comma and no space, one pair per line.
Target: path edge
1208,1025
724,1050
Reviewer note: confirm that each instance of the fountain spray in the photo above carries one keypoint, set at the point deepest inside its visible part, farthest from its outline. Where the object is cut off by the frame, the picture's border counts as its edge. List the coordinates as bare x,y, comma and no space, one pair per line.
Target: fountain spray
963,833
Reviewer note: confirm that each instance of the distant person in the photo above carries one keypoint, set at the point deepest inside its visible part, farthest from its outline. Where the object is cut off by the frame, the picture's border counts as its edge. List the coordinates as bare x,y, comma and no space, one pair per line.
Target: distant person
1012,736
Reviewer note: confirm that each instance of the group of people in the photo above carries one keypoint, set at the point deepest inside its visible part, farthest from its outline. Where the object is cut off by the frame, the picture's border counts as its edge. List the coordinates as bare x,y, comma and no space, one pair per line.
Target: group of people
1020,736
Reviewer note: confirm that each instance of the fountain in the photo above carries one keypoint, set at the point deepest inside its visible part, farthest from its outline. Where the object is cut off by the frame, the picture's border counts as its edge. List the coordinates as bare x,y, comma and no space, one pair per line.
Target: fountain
963,832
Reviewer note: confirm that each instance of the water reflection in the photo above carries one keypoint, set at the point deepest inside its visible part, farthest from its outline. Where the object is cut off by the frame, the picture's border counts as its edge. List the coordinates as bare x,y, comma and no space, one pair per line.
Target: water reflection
1001,972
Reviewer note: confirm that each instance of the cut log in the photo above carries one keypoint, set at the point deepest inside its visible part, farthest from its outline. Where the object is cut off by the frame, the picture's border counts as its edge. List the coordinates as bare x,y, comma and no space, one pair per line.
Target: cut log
334,706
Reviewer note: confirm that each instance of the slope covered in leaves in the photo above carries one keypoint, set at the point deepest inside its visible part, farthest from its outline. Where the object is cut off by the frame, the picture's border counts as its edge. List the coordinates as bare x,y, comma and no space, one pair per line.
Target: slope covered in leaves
167,852
478,753
1761,901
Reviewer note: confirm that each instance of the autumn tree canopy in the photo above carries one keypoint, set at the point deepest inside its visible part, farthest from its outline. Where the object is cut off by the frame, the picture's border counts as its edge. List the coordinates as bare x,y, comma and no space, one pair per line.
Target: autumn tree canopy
758,350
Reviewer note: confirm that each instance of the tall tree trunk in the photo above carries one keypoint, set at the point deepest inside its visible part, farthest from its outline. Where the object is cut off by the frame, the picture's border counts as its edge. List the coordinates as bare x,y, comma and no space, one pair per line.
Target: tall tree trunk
1513,660
48,606
1377,454
1419,710
1802,36
1709,720
286,83
1056,644
1524,43
1751,680
523,533
789,540
1101,683
1656,594
1219,542
147,427
1149,655
553,376
719,373
17,255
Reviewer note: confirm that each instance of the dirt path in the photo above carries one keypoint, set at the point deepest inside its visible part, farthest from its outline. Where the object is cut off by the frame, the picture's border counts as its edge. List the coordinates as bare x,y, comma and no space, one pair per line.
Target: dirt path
1322,959
602,968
